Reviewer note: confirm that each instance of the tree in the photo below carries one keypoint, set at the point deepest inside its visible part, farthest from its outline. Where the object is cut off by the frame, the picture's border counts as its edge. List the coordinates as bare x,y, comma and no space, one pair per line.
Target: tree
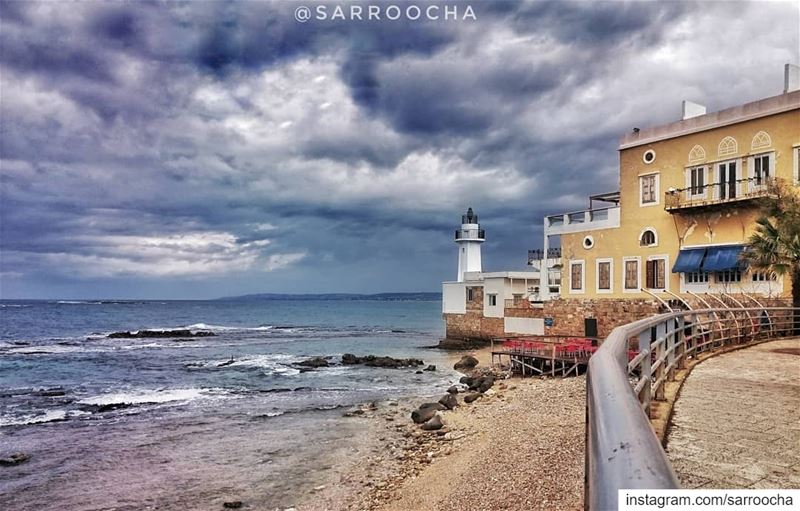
775,244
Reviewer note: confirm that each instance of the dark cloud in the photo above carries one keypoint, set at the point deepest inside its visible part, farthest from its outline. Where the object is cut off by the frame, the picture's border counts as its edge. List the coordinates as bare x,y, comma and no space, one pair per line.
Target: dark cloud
173,149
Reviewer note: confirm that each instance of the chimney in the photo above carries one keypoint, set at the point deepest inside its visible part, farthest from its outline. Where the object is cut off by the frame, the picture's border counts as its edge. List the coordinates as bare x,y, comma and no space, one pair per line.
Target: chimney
691,109
791,78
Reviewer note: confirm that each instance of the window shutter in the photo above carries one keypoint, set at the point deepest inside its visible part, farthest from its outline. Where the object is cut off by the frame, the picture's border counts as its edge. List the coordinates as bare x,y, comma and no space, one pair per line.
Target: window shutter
660,274
649,281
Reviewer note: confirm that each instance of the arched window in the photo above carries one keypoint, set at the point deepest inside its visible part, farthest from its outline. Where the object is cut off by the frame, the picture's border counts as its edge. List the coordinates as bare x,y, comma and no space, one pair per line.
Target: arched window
728,147
761,140
697,154
648,238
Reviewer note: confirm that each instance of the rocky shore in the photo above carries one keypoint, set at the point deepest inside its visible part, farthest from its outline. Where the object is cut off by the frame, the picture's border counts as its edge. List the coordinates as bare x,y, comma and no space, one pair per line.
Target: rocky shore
519,445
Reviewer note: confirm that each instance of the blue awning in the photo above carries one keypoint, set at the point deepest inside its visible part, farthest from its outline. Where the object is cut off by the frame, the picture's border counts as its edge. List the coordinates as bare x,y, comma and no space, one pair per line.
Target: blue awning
689,260
723,258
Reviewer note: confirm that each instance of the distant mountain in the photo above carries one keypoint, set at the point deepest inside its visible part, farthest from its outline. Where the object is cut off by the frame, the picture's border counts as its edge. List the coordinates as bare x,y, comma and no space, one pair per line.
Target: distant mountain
384,297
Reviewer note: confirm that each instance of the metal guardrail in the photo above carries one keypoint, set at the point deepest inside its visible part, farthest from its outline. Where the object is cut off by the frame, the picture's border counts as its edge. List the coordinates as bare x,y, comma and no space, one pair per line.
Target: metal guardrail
622,450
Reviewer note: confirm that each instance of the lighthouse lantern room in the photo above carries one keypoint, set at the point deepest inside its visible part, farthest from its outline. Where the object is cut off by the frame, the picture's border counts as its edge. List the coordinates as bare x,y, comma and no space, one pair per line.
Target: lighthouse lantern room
469,238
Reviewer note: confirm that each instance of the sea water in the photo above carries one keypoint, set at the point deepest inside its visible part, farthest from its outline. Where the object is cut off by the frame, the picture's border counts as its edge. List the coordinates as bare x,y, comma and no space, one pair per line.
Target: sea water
183,423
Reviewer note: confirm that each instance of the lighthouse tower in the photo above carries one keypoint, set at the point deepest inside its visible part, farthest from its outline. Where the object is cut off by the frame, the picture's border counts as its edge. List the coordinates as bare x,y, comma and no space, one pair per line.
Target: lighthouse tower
469,239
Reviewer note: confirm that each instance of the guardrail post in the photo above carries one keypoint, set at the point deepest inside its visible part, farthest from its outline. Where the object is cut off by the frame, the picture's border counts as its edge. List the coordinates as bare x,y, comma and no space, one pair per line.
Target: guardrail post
673,345
645,372
661,337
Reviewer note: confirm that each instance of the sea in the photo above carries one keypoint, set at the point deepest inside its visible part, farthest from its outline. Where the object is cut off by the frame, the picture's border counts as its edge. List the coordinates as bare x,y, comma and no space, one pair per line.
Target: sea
158,423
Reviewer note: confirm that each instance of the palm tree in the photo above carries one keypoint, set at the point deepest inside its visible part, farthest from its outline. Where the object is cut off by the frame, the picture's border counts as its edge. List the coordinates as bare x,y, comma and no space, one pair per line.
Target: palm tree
775,244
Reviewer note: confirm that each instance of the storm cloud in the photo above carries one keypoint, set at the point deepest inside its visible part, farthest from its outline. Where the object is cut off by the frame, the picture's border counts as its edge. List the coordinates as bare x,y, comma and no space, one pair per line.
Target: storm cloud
201,149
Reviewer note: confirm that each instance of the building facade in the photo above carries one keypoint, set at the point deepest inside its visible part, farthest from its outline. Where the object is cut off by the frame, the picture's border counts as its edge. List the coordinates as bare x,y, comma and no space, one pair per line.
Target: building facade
672,235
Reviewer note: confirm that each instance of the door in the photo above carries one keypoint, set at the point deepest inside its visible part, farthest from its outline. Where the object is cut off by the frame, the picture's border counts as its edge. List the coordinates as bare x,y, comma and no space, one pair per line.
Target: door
590,327
727,180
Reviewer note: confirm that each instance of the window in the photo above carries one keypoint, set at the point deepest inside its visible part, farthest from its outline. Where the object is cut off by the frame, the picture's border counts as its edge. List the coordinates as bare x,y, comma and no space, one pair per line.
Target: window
576,276
655,274
492,300
696,277
648,186
764,276
796,174
760,140
697,154
632,274
588,242
726,186
649,156
761,169
648,238
517,298
470,294
729,276
728,147
604,277
697,181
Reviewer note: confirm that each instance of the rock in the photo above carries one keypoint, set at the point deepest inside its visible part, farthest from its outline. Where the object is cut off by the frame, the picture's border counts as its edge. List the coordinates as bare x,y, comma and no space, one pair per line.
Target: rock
373,361
232,504
434,423
417,372
314,362
466,380
425,412
51,392
449,401
430,368
466,362
452,390
461,344
142,334
14,459
472,396
226,363
349,359
319,488
486,384
482,384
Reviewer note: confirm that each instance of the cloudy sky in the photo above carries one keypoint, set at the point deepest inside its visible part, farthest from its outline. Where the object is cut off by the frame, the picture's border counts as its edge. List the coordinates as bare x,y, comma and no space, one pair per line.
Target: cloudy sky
199,149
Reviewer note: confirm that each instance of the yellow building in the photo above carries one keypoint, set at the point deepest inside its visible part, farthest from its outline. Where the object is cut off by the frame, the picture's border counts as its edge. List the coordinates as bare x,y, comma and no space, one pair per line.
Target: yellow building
689,194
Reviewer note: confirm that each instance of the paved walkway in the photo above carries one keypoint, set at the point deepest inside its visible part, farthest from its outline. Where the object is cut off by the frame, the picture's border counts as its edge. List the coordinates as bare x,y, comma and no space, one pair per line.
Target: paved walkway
737,420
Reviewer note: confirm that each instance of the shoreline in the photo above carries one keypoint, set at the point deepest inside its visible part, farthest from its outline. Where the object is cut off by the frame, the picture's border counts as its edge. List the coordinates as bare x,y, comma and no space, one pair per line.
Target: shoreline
499,452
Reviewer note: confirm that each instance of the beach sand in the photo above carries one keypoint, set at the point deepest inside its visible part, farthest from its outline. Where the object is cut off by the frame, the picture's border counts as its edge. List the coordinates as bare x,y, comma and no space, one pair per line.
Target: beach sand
519,447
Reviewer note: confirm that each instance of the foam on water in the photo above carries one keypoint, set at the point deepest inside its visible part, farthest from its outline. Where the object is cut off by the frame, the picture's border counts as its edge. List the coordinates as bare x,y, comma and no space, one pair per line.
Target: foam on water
272,363
49,416
137,397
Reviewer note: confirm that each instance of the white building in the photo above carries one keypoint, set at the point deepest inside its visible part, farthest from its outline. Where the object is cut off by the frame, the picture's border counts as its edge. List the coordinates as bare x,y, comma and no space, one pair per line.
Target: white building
490,304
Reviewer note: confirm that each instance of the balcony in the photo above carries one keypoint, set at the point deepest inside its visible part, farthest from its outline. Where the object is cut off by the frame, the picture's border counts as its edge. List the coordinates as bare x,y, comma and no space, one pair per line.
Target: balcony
579,221
470,234
538,254
740,192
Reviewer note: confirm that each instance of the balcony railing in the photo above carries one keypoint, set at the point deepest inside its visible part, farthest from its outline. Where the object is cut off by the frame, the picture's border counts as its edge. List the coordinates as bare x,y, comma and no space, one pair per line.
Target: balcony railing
538,254
600,218
713,194
470,234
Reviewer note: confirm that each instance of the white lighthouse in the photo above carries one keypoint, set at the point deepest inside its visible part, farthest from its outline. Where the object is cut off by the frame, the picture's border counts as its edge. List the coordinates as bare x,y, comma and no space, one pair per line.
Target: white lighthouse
469,239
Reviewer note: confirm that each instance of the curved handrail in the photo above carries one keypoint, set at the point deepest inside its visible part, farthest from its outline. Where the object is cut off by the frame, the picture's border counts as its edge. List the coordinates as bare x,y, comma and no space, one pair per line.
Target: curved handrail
622,450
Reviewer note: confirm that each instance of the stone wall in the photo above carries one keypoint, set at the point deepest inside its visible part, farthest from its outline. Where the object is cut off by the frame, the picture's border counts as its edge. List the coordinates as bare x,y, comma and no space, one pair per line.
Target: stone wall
473,325
568,314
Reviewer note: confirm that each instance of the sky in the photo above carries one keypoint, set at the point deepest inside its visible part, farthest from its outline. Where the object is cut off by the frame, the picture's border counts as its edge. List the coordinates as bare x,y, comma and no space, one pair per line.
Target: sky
204,149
